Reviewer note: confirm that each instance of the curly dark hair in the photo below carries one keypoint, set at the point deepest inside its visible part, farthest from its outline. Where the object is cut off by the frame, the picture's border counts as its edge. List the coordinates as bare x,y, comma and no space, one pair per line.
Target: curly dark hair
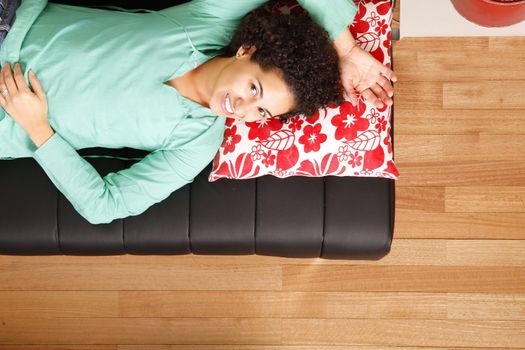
300,49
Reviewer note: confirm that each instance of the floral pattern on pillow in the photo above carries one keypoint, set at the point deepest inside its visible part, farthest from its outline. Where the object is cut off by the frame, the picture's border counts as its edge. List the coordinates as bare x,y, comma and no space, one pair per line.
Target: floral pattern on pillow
340,140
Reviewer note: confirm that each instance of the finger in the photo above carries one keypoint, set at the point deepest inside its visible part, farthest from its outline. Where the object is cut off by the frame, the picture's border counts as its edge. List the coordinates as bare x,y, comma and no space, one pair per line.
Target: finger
350,95
381,95
2,88
387,72
35,84
9,81
393,76
2,80
367,83
388,96
385,84
19,78
2,98
353,98
369,96
348,86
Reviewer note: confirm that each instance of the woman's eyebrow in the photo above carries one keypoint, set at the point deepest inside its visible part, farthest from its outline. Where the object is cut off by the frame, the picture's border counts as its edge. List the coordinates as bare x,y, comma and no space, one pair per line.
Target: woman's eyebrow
261,90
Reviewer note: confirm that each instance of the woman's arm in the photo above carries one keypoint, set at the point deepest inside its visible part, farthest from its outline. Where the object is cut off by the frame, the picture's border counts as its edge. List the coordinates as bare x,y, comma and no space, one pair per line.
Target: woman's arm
124,193
232,10
332,15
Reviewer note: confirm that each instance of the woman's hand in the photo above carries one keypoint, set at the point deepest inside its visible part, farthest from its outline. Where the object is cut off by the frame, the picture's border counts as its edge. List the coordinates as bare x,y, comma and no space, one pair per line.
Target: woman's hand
362,72
27,108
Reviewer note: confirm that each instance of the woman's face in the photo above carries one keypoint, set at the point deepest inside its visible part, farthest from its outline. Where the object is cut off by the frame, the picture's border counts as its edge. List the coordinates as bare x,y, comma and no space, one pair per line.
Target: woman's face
243,91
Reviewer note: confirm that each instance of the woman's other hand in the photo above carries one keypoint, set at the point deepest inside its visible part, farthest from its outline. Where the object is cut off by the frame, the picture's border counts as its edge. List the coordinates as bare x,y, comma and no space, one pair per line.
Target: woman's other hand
27,108
362,72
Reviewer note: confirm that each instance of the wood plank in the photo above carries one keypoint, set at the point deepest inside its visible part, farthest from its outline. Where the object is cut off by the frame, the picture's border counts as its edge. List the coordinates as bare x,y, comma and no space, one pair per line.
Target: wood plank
454,252
485,199
419,94
440,66
430,59
445,333
59,347
225,347
431,148
139,276
495,94
504,44
472,199
479,253
201,303
443,44
445,279
415,223
279,347
27,303
482,147
461,173
282,347
229,347
410,121
427,199
387,332
107,331
423,148
7,261
461,306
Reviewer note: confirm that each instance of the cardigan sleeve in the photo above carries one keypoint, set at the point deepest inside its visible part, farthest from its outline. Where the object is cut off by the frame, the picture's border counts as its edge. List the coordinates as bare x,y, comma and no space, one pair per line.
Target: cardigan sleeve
130,191
332,15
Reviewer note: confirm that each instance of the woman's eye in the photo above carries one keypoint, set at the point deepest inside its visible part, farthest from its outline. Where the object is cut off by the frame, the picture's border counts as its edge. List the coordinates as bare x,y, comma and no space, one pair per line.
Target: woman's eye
254,90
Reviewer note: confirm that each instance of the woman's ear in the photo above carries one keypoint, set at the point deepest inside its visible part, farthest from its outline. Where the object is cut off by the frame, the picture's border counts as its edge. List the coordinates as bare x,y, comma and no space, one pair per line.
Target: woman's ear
245,50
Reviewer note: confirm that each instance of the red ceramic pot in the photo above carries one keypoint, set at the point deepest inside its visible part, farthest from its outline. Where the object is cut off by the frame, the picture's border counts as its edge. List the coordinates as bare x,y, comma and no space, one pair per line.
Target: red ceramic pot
491,13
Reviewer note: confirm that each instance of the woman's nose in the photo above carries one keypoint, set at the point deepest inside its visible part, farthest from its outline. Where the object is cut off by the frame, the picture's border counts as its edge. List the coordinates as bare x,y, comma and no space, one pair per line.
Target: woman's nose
245,108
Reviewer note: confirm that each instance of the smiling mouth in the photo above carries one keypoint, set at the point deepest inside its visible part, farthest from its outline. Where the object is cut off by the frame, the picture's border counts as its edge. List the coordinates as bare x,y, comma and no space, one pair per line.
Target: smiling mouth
227,105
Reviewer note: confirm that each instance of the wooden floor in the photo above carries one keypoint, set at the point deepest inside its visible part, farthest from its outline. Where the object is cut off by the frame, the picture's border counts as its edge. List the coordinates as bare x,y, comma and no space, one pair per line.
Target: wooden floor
455,278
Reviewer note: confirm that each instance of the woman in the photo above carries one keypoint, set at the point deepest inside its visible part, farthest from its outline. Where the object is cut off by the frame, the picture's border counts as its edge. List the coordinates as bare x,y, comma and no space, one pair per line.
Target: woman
158,81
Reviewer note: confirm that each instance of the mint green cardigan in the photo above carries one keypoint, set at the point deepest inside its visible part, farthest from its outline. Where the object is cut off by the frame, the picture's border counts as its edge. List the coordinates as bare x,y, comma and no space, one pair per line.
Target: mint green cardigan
103,73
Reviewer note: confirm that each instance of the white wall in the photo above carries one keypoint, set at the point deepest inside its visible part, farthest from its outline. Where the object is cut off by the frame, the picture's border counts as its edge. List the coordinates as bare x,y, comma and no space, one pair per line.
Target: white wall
440,18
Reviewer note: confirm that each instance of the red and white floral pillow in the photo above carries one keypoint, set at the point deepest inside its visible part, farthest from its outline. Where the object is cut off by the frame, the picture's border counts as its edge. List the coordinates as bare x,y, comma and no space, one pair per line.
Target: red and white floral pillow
339,140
